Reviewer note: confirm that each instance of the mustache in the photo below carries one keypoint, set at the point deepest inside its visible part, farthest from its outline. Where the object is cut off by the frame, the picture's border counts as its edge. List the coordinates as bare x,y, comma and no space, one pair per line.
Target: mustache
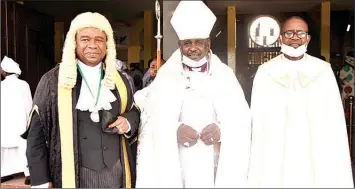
194,54
295,45
92,52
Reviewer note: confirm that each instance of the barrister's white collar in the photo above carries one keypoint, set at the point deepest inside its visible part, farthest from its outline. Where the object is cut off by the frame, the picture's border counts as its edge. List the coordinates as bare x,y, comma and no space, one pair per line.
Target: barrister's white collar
86,101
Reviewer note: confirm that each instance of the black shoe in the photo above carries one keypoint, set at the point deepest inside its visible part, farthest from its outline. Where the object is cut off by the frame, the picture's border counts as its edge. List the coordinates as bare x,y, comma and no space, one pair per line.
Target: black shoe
28,181
6,178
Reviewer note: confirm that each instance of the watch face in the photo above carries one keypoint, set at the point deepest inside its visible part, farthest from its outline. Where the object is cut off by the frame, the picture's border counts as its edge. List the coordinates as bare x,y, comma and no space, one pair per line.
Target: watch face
264,31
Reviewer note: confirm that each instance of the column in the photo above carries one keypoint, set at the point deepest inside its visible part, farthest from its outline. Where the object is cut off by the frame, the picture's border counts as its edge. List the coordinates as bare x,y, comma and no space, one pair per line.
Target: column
325,29
134,44
148,36
231,37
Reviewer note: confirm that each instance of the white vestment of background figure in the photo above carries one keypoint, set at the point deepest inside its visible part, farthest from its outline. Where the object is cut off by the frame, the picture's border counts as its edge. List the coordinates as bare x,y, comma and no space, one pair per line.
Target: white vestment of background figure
16,104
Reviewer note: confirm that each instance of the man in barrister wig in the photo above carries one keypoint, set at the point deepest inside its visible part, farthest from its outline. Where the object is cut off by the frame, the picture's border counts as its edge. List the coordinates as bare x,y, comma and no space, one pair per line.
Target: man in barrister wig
83,114
16,104
196,121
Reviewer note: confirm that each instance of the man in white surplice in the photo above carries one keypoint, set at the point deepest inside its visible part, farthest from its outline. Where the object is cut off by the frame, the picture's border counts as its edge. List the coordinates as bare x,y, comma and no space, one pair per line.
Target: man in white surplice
299,136
16,104
195,120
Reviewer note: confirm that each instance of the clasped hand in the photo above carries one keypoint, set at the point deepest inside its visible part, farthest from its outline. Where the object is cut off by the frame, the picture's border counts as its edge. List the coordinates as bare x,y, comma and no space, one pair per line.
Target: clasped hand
187,136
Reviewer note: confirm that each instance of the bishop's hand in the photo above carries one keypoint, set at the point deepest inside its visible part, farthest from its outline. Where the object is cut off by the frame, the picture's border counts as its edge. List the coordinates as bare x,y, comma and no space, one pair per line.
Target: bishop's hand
187,136
210,134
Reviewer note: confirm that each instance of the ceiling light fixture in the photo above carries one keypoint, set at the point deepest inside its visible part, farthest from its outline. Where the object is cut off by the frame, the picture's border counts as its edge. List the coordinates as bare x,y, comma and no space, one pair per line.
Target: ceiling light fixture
348,28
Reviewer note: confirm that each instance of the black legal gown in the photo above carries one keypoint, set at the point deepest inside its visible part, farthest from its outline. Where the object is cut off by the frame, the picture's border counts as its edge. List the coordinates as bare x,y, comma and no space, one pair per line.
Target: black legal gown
43,139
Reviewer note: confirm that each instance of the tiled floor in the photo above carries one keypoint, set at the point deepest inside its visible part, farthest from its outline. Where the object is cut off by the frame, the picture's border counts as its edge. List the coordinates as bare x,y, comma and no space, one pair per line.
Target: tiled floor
17,182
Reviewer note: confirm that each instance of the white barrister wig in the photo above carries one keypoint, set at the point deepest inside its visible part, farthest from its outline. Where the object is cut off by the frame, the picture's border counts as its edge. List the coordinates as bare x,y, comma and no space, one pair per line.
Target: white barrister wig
193,20
10,66
68,69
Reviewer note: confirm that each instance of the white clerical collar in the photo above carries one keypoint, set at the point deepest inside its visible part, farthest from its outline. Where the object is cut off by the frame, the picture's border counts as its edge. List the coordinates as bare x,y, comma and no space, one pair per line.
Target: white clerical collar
203,68
283,57
85,67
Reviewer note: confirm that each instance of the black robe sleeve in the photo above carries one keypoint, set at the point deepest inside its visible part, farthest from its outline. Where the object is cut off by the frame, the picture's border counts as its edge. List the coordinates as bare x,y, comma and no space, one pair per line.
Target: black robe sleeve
132,113
133,117
37,151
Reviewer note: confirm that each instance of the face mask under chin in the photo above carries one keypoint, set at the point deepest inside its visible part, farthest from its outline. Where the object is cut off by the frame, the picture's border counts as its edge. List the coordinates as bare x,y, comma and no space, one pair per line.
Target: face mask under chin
294,52
194,64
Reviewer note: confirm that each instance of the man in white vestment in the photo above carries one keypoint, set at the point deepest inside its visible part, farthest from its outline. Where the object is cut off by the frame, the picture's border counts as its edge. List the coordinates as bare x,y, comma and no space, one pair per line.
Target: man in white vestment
195,121
16,104
299,136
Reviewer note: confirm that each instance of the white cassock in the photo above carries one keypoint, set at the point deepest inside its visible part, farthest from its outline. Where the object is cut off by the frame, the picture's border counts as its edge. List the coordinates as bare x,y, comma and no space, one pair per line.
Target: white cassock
299,136
16,104
195,99
140,97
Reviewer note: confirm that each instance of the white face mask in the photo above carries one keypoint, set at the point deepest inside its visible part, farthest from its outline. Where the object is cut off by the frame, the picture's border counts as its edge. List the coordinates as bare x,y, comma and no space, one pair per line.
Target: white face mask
294,52
193,64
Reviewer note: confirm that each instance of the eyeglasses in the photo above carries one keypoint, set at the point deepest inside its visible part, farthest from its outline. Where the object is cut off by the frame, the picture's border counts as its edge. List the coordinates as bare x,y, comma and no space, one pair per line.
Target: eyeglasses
188,43
300,34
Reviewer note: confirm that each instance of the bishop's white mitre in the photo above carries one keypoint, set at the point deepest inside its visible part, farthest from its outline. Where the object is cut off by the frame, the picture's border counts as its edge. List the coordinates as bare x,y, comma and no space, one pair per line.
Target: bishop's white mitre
193,20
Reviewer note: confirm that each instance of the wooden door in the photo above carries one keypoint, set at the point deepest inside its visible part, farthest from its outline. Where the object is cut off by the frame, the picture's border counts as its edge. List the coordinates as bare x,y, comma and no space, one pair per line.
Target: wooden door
30,37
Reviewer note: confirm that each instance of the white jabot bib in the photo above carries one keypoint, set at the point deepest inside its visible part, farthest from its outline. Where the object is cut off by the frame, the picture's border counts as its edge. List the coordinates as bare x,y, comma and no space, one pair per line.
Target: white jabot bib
86,101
